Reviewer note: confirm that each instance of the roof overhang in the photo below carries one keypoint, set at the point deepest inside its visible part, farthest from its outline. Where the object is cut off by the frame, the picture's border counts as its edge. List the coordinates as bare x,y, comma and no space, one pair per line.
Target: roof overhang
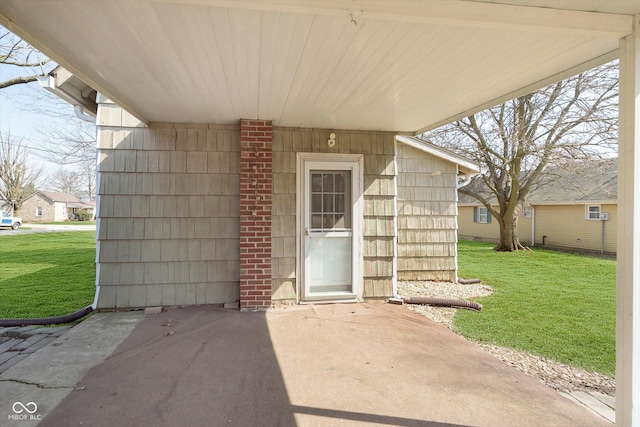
465,166
81,205
404,66
574,202
552,203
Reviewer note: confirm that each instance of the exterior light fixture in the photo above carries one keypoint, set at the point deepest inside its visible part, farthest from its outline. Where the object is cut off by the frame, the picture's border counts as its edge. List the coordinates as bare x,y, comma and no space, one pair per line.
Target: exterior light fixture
332,140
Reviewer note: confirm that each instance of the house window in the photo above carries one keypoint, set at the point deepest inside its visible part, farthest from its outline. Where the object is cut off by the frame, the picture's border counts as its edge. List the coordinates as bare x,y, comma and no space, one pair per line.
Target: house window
39,211
593,212
526,211
481,215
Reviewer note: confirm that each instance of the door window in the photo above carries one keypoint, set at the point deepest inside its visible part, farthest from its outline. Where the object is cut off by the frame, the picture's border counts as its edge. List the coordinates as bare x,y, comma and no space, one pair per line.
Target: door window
330,200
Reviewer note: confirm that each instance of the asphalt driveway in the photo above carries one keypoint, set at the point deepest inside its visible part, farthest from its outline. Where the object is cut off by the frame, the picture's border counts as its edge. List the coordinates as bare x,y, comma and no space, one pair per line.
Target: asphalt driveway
324,365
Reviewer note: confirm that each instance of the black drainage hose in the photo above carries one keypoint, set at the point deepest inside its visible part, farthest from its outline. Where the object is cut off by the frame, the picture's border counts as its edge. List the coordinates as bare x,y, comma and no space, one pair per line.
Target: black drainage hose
469,281
443,302
68,318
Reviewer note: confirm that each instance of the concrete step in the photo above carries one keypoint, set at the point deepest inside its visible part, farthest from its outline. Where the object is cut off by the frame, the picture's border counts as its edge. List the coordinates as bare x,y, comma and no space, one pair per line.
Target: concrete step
595,403
607,400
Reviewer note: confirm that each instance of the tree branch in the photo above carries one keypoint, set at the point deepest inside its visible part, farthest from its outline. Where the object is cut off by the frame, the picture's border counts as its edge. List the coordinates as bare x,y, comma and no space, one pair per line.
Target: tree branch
18,81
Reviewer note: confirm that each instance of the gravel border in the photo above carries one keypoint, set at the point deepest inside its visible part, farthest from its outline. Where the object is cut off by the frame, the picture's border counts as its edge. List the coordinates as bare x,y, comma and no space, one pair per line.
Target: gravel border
554,374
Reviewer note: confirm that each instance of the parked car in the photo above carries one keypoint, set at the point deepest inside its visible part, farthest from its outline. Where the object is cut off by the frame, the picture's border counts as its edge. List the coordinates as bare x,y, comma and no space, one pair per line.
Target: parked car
10,221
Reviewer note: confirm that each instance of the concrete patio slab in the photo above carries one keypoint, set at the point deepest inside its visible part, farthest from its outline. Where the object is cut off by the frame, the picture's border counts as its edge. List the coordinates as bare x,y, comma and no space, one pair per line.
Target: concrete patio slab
333,365
47,376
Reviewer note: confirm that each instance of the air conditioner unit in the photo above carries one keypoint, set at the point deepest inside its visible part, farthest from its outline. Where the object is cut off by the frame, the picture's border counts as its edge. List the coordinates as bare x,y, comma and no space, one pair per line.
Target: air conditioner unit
604,216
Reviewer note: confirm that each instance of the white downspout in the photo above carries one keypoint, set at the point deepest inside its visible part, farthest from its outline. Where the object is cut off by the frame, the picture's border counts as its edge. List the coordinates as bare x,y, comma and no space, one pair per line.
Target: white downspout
533,226
82,115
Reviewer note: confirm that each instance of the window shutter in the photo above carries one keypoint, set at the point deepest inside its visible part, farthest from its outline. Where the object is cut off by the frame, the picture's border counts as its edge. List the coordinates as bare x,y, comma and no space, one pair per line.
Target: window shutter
475,214
488,217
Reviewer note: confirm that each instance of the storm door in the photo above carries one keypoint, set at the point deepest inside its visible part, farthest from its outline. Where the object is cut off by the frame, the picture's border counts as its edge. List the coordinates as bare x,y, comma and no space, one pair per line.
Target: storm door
330,248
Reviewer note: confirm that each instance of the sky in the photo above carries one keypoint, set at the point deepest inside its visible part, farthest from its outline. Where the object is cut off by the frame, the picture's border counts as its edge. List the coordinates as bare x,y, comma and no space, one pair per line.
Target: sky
27,112
34,117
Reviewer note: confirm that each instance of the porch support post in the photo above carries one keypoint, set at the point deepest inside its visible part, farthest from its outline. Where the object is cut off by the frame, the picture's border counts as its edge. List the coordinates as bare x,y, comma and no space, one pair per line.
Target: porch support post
256,184
628,270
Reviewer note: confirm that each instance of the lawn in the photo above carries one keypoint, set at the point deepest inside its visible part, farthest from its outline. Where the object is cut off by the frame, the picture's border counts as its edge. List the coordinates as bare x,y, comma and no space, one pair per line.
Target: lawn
556,305
46,274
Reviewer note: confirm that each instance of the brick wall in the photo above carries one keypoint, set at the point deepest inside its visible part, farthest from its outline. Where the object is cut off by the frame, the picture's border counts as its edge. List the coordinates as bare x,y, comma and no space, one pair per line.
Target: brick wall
28,211
256,184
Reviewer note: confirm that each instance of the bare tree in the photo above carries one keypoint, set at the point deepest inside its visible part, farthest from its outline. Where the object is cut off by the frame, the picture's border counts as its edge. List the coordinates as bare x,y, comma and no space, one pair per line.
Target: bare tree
89,172
72,142
29,62
560,125
66,181
75,146
18,180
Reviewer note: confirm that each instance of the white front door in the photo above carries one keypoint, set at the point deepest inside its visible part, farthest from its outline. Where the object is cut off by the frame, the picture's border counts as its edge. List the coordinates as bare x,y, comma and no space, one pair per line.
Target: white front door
330,229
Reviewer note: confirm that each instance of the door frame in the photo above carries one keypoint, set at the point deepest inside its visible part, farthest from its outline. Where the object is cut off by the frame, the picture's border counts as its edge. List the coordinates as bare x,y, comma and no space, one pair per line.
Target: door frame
325,161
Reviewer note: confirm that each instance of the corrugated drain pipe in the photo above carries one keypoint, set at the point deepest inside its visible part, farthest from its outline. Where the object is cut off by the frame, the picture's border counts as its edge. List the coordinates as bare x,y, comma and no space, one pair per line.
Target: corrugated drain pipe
44,321
469,281
443,302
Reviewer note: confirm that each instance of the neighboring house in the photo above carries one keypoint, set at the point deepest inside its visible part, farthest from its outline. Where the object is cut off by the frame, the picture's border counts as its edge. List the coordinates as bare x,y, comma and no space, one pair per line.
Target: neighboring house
569,210
51,206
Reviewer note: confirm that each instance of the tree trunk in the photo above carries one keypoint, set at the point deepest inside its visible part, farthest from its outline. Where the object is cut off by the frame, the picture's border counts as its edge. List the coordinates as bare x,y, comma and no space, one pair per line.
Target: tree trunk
506,235
509,240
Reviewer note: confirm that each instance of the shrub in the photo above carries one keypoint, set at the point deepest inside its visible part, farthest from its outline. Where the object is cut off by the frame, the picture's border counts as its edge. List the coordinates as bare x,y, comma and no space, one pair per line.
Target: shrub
83,215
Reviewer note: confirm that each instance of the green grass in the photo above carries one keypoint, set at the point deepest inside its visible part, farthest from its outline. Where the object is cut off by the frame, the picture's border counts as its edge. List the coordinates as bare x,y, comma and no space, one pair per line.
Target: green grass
556,305
47,274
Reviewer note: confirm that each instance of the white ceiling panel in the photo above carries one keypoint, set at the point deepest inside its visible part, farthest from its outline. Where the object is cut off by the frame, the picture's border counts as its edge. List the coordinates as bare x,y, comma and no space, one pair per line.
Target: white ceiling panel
403,66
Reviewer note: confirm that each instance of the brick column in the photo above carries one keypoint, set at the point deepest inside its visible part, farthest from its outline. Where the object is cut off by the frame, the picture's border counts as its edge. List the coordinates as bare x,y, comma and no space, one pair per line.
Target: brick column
256,184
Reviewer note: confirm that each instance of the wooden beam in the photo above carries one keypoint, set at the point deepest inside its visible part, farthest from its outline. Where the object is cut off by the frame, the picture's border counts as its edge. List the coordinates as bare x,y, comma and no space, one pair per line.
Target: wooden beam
446,12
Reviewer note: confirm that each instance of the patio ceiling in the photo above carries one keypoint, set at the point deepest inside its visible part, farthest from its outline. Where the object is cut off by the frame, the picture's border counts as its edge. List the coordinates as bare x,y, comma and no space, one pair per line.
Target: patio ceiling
401,66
